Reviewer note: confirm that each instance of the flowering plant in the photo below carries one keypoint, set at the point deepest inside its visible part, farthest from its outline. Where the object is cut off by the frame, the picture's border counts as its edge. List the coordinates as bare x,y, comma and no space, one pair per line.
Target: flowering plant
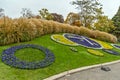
83,41
103,44
95,52
9,58
111,51
61,39
116,46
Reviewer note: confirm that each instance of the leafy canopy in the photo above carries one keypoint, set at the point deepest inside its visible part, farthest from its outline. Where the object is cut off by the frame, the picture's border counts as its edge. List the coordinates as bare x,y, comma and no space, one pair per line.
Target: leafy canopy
88,9
26,13
104,24
73,19
1,12
116,20
44,13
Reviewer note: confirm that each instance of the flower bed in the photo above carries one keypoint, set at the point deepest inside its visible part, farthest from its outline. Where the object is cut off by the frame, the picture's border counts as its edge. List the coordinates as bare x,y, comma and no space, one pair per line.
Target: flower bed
95,52
103,44
111,51
61,39
9,58
83,41
116,46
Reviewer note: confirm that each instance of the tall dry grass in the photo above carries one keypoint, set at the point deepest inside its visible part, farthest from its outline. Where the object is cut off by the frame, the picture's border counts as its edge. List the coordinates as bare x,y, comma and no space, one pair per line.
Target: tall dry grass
21,29
85,31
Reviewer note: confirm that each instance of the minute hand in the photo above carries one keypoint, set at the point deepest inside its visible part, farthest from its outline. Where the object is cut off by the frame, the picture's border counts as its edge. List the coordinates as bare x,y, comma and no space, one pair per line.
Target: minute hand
83,38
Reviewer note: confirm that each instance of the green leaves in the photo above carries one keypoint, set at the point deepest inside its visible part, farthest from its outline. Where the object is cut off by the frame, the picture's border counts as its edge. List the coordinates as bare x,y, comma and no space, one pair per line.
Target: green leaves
45,14
116,20
104,24
88,9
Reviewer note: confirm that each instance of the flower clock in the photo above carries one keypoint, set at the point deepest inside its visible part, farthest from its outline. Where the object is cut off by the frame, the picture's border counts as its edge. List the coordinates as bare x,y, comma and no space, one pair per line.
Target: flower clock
9,58
83,41
103,44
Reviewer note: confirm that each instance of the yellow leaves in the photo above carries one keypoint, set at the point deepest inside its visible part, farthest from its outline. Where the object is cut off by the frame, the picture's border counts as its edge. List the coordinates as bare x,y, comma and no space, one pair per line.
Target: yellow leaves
104,24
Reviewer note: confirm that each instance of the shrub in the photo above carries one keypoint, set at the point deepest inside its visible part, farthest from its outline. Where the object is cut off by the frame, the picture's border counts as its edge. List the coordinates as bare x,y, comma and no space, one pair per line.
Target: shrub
22,29
25,28
76,30
6,31
85,31
103,36
39,27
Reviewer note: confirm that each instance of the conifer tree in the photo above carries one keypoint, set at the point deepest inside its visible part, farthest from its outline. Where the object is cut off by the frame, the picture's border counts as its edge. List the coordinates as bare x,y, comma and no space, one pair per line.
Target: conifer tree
116,22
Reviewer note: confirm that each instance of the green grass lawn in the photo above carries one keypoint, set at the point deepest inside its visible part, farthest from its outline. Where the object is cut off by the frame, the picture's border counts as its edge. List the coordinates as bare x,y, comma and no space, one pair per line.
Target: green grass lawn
65,59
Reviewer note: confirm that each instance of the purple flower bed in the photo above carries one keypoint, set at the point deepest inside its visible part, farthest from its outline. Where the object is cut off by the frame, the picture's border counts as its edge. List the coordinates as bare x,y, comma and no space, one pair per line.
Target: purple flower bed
111,51
10,59
116,46
82,40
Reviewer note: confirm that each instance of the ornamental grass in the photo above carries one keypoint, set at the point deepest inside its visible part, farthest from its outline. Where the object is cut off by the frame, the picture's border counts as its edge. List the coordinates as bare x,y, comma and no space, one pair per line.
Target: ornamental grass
85,32
103,36
22,29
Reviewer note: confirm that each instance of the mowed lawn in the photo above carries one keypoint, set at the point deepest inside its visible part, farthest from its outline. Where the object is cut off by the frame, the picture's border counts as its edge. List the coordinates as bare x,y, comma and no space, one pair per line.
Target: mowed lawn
65,59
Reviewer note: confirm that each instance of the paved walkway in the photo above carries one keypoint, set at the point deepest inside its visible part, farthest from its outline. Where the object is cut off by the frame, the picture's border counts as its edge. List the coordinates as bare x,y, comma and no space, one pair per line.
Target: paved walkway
96,74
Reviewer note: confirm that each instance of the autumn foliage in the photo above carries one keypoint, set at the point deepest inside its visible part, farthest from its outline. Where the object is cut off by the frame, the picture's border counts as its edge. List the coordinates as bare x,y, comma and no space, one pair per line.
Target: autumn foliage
22,29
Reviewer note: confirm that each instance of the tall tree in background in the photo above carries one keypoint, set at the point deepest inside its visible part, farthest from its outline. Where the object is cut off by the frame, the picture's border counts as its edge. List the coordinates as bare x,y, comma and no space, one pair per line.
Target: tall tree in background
88,9
116,20
104,24
1,12
57,17
26,13
44,13
73,19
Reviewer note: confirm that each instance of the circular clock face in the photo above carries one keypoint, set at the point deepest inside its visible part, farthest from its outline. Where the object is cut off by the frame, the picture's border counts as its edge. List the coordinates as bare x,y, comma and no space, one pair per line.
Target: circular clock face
83,41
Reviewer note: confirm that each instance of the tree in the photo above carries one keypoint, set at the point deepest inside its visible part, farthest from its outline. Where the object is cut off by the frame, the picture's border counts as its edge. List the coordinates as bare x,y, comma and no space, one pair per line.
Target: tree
104,24
73,19
88,9
26,13
44,13
116,20
57,17
1,12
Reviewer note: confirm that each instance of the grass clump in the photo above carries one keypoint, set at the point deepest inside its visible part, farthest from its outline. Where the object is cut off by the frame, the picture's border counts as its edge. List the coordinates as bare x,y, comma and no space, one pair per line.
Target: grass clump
22,29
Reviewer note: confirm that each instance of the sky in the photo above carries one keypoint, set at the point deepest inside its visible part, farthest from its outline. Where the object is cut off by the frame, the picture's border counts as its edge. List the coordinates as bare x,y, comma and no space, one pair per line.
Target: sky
12,8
